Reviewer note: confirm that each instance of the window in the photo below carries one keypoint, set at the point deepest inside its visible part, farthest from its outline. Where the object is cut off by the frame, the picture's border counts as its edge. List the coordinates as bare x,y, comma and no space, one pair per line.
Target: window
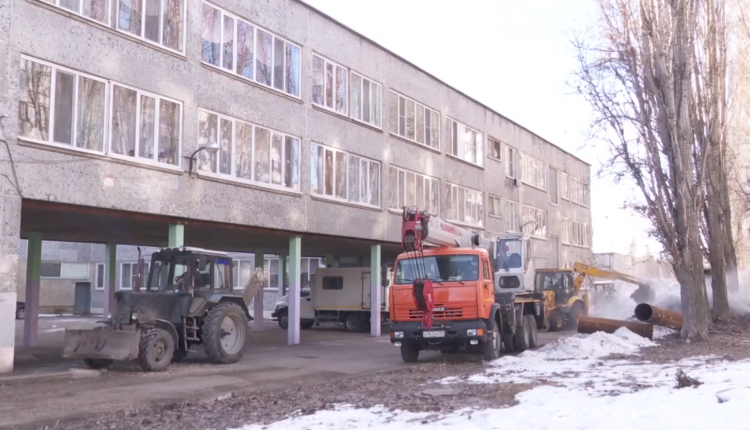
579,191
533,172
365,100
464,205
160,22
495,207
579,234
244,49
329,85
65,270
129,273
565,234
96,10
99,281
512,221
414,121
564,186
554,197
61,107
442,268
247,152
145,127
51,270
534,221
495,148
511,162
465,142
333,283
343,176
412,189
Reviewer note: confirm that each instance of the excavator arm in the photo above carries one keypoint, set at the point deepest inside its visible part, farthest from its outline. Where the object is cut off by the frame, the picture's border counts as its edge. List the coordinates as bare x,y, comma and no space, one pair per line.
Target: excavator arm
644,293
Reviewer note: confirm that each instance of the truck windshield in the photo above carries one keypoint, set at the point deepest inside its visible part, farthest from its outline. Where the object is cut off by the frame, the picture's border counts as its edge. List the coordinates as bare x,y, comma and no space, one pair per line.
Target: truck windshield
442,268
509,253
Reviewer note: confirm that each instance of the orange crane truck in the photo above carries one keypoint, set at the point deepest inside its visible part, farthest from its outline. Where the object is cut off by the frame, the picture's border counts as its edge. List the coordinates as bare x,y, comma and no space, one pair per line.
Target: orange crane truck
445,294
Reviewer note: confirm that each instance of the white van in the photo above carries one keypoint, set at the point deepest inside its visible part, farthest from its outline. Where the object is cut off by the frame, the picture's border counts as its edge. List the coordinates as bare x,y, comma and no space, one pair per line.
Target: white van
338,295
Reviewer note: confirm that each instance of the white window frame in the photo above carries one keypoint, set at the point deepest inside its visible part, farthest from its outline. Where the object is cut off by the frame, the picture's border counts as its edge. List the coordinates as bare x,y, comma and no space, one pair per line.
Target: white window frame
491,198
512,216
135,158
480,212
425,178
232,176
96,276
133,268
379,124
530,168
532,228
256,27
333,110
477,147
490,141
79,12
348,154
579,234
579,192
394,128
565,231
565,187
51,117
511,160
142,37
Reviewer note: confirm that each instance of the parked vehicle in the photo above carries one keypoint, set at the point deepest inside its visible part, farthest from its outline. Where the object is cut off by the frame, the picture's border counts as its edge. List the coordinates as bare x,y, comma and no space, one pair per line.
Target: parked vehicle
20,310
338,295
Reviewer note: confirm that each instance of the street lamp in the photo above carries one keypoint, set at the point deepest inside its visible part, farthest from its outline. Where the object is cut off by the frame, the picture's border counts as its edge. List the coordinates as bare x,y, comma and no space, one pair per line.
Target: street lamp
212,148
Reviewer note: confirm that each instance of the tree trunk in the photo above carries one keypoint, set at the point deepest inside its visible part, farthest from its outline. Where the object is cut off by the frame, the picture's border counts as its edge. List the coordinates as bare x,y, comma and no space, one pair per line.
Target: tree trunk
716,253
730,252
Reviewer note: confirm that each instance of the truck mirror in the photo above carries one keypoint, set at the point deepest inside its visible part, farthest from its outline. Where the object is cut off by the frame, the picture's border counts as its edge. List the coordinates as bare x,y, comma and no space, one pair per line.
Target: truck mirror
385,282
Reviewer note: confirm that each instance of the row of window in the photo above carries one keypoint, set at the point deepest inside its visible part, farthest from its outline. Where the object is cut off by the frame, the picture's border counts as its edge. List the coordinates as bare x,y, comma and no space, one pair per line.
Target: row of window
235,45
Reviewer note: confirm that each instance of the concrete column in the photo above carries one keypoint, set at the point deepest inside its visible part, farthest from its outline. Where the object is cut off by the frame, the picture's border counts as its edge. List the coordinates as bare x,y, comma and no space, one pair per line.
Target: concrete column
33,282
375,290
260,258
282,274
10,237
110,277
295,280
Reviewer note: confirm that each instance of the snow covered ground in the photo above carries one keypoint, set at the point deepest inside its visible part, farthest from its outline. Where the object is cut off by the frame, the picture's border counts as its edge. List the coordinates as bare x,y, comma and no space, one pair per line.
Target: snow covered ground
580,390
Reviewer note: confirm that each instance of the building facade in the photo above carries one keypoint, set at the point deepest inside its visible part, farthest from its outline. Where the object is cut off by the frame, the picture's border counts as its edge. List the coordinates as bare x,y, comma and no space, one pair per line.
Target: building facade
105,107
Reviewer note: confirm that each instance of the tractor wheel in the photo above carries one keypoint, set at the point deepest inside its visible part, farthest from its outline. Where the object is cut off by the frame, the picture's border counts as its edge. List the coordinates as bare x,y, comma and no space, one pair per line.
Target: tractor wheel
575,311
556,320
283,319
521,338
409,352
491,347
533,332
353,323
223,333
307,324
156,350
98,363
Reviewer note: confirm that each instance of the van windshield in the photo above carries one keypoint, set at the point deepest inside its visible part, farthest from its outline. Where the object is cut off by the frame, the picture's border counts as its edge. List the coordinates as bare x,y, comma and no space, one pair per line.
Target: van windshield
442,268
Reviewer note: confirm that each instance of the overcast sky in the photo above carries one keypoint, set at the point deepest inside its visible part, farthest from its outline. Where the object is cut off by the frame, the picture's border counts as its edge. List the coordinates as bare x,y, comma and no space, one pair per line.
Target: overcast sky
515,56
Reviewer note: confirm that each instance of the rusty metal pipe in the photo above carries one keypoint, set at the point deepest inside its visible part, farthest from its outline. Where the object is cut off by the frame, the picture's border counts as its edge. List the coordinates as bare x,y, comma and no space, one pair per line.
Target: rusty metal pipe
652,314
588,325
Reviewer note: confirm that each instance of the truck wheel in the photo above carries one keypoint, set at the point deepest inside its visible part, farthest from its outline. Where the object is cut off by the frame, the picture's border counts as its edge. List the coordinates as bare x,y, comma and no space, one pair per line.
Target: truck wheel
533,332
508,346
156,350
491,347
307,324
575,311
556,320
223,333
353,323
409,352
521,338
98,363
283,317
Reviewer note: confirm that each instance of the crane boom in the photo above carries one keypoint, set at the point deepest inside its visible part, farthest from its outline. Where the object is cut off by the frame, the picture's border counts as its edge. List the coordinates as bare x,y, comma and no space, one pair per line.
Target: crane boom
644,291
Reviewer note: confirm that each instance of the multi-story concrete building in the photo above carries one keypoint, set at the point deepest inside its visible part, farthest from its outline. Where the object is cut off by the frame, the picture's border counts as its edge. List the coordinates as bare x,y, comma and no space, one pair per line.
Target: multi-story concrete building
113,108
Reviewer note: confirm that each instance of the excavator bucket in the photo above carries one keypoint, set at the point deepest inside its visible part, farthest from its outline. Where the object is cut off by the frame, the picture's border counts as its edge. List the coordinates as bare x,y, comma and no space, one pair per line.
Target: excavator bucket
101,342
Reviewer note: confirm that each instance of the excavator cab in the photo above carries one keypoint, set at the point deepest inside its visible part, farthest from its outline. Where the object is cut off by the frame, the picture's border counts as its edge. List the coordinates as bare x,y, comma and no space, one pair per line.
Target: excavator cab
562,302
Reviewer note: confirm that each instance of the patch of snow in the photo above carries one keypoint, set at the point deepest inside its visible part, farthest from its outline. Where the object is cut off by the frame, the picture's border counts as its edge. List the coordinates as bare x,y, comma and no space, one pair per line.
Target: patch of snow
599,344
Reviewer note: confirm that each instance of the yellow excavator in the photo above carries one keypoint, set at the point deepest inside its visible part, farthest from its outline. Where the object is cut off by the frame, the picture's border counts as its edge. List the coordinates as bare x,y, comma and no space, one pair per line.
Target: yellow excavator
567,292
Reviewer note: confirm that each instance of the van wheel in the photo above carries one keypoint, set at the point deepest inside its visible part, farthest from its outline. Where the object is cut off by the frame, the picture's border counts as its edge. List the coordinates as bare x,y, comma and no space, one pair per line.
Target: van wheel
283,319
409,352
533,332
521,338
306,324
353,323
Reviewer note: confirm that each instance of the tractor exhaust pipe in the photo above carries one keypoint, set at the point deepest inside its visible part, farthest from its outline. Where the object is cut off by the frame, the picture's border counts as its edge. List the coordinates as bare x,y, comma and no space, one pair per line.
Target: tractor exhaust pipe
589,325
652,314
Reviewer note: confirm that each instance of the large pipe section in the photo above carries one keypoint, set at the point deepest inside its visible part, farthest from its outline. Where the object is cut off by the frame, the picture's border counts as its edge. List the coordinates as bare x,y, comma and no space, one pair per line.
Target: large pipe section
653,315
588,325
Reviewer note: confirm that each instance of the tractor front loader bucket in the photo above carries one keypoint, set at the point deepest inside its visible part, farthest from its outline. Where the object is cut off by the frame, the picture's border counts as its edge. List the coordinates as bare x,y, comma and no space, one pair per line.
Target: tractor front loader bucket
101,342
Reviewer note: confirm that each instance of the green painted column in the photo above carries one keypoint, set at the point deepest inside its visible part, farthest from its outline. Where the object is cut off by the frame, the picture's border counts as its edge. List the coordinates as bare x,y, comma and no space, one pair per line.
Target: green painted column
282,273
258,308
295,281
33,284
110,276
376,290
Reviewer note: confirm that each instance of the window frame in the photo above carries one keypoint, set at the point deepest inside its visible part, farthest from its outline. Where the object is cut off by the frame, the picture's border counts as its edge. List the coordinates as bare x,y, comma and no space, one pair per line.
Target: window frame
544,167
362,77
582,232
481,224
490,198
55,3
133,267
115,25
424,177
334,198
233,154
515,219
158,97
103,278
511,159
256,27
565,189
585,189
51,115
535,211
476,147
551,168
490,141
417,104
339,283
323,106
565,231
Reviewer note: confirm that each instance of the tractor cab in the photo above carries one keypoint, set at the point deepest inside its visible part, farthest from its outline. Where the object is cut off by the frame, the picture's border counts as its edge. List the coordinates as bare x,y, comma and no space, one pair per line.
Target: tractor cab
196,271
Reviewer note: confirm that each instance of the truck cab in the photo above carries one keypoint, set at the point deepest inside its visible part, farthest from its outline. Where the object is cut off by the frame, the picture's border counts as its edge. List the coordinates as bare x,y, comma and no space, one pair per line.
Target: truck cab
512,263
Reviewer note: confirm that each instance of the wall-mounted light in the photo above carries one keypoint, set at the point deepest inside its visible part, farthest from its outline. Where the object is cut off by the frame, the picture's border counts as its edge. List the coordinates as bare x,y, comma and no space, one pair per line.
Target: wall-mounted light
212,148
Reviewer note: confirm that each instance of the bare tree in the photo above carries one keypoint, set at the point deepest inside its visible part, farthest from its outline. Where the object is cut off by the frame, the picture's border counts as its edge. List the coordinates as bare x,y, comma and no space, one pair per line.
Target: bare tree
637,74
